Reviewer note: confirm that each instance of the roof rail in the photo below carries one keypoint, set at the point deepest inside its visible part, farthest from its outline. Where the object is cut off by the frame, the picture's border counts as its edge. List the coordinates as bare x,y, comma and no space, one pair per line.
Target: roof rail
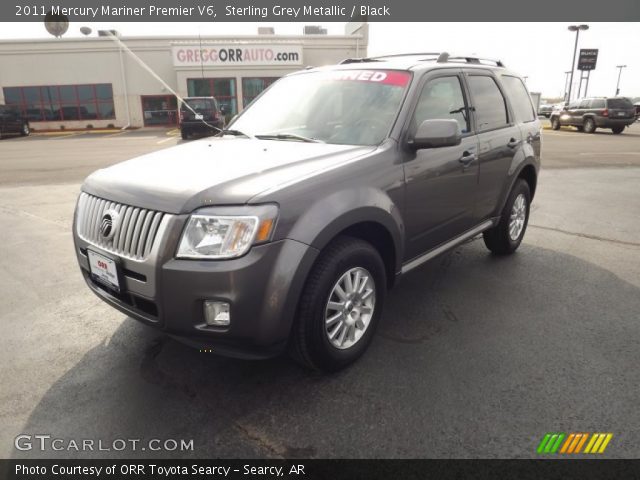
445,57
440,57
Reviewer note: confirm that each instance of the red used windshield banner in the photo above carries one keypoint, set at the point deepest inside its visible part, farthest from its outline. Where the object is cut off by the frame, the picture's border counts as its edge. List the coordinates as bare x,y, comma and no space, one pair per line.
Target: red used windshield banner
385,77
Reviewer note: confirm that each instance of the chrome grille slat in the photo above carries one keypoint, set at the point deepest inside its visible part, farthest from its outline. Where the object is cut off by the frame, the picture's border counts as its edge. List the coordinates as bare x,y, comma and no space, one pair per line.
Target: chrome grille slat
134,234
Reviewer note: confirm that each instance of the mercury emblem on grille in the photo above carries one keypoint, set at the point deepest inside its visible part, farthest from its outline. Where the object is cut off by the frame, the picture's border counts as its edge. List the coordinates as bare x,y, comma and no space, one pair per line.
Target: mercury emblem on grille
109,224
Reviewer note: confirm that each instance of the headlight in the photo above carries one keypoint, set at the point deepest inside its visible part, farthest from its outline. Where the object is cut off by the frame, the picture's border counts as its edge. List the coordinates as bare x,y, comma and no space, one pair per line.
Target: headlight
224,236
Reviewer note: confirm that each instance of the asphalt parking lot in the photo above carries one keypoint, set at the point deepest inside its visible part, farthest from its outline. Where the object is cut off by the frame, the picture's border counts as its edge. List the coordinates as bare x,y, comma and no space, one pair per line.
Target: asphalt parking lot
476,356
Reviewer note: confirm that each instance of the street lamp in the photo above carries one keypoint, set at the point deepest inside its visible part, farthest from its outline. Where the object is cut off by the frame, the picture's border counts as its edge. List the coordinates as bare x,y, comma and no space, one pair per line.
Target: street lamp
619,67
566,85
575,28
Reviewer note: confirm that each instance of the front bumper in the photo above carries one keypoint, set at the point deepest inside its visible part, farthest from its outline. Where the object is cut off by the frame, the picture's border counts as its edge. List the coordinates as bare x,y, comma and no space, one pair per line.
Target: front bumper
262,287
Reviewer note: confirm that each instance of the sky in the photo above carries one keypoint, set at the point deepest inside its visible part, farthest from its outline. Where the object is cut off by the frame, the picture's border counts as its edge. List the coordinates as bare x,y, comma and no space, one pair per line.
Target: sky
540,51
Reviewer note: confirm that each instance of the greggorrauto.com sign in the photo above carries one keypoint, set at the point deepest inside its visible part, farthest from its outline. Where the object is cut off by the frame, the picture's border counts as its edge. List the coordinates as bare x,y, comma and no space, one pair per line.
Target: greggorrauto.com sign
236,54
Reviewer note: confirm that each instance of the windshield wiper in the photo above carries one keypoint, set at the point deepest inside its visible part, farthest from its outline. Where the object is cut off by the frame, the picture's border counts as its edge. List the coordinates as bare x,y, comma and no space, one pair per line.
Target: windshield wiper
235,133
287,136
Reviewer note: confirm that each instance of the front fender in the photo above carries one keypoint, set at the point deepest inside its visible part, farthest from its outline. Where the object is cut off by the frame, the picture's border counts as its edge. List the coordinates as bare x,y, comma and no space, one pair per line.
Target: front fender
330,215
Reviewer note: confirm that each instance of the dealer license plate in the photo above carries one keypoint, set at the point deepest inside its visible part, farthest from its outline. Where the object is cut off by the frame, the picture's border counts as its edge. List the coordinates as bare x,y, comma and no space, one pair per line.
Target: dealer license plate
103,270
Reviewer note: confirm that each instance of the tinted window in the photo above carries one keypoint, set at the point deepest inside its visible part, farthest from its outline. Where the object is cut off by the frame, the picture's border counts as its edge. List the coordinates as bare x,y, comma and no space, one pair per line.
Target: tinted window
585,104
199,104
490,107
520,100
597,103
442,98
64,102
573,105
619,103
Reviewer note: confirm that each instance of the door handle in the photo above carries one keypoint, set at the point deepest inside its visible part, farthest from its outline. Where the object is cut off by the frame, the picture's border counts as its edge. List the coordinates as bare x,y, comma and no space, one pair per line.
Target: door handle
513,143
466,158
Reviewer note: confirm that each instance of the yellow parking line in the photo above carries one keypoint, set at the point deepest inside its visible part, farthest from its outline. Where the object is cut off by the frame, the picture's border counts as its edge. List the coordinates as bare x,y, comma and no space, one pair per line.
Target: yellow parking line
70,134
165,140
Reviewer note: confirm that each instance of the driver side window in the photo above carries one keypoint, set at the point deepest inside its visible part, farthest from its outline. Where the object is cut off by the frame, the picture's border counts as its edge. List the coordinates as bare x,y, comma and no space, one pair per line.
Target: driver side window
442,99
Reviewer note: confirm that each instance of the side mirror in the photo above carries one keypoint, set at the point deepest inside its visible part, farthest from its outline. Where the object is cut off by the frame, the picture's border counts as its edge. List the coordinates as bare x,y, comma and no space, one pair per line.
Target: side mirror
435,134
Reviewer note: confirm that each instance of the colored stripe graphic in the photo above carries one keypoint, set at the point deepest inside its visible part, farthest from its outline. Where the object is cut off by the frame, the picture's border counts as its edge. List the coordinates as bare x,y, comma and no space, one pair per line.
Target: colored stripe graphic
572,443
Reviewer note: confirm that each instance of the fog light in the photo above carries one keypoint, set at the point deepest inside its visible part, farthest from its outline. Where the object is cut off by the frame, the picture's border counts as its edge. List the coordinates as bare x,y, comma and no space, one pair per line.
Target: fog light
217,314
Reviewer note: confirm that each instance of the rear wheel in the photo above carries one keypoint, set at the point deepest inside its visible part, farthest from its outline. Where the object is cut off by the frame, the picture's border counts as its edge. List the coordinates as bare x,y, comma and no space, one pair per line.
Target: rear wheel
506,236
555,123
184,134
617,130
25,130
340,306
589,125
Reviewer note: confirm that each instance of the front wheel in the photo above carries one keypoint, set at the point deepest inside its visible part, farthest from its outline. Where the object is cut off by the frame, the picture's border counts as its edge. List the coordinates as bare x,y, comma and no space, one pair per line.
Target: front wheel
506,236
25,130
617,130
555,123
340,306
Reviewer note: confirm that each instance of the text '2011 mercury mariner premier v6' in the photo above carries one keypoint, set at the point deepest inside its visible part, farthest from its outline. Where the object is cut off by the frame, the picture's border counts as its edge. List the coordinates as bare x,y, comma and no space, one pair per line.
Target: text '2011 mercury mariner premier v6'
286,230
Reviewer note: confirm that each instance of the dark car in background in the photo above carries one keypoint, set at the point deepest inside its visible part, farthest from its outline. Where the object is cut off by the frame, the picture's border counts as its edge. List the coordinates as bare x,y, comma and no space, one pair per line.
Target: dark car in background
200,115
12,122
545,110
636,104
588,114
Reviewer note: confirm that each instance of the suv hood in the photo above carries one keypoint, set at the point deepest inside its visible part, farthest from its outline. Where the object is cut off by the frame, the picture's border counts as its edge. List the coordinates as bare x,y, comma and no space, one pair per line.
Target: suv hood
214,171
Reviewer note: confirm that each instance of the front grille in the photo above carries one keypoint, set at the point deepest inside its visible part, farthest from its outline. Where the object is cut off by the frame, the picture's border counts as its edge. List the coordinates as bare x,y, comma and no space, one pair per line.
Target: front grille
135,231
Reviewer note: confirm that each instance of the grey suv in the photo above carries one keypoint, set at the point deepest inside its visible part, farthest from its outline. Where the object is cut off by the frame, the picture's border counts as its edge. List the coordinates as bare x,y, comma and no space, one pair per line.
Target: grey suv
589,114
286,231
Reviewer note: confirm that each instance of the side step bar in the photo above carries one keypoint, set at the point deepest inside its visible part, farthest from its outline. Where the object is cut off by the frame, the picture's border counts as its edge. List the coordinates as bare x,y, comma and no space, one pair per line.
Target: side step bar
425,257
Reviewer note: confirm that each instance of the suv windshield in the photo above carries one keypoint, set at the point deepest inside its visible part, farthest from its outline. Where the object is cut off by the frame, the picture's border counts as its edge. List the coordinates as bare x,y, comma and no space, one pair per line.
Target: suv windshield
619,103
349,107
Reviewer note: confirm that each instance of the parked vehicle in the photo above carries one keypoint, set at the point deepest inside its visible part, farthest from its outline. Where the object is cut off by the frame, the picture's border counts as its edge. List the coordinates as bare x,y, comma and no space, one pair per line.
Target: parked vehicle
636,104
200,115
588,114
287,230
12,122
545,110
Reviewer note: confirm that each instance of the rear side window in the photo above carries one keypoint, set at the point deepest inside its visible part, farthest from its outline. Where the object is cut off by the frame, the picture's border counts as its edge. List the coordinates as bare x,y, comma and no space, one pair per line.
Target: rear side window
490,107
597,103
519,97
619,103
585,103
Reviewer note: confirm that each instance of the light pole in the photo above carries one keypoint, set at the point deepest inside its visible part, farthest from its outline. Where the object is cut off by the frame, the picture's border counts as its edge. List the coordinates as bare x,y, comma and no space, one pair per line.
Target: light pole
575,28
619,67
566,85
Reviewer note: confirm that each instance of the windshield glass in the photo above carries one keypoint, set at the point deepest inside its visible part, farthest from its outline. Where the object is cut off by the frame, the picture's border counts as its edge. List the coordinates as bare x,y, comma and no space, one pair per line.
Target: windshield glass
349,107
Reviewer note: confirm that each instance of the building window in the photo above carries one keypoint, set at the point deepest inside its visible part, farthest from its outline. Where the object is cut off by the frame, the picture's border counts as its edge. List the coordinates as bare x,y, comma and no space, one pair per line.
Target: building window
223,89
252,87
63,102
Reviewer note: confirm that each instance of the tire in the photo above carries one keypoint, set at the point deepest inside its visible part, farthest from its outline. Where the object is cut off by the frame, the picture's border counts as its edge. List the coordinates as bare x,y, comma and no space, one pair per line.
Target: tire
580,128
310,343
589,125
499,239
184,134
617,130
555,123
25,130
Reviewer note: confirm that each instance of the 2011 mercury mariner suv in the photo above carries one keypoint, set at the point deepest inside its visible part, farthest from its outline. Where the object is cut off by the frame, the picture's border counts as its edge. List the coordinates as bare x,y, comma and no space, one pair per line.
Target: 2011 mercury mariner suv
286,231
